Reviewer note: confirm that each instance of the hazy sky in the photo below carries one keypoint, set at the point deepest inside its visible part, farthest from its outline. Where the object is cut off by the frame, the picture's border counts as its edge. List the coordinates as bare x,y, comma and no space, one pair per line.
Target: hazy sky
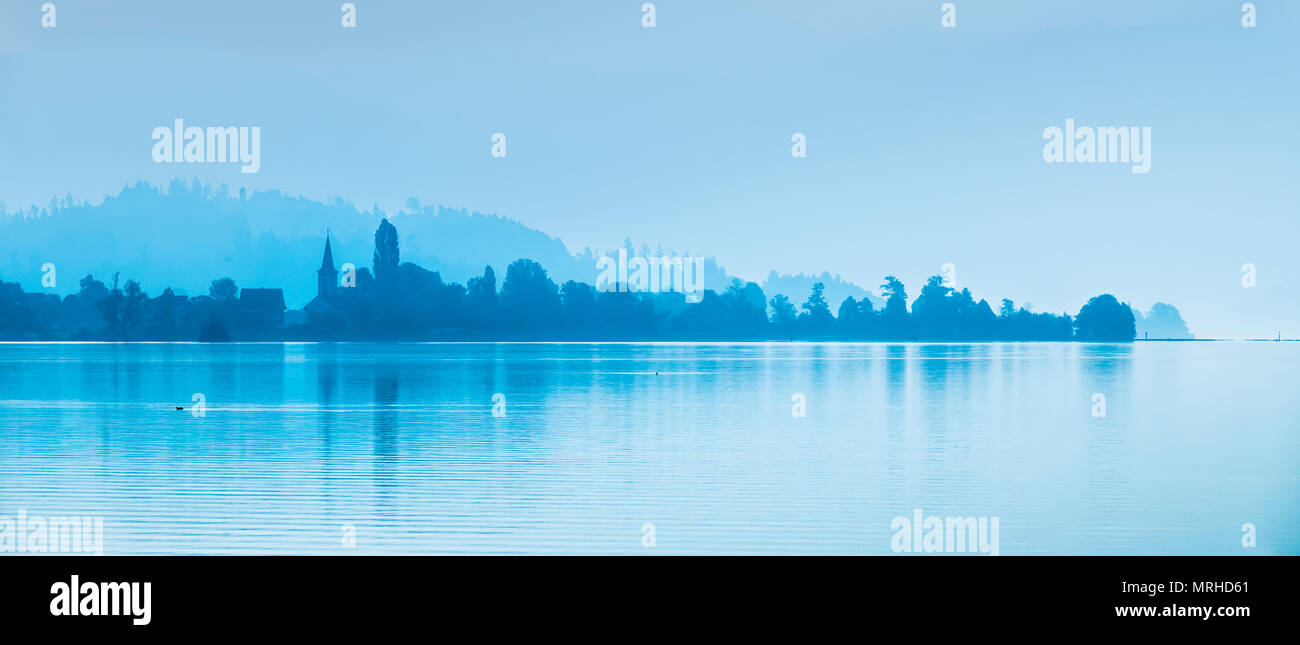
924,144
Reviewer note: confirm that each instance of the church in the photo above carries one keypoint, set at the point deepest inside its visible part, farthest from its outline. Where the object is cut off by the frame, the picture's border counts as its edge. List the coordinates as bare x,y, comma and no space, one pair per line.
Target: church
327,285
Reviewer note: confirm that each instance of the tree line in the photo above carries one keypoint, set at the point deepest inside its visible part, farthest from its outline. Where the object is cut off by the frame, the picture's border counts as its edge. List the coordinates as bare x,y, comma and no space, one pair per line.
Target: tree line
395,300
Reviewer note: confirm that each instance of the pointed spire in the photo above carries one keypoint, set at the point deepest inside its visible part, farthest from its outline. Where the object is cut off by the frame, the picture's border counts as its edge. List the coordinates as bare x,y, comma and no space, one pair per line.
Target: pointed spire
327,262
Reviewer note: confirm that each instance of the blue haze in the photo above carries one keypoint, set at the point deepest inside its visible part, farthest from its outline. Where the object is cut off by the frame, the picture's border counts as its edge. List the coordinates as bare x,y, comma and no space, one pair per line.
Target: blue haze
924,143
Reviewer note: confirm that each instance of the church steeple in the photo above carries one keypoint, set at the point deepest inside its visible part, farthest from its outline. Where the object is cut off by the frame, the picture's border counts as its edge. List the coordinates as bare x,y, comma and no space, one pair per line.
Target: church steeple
327,277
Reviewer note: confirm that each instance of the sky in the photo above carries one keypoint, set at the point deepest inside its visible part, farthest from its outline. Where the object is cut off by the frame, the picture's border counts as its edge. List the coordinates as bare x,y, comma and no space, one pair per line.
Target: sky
924,143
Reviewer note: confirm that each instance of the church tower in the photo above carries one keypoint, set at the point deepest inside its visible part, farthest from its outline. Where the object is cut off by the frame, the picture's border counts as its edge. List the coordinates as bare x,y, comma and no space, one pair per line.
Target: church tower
327,277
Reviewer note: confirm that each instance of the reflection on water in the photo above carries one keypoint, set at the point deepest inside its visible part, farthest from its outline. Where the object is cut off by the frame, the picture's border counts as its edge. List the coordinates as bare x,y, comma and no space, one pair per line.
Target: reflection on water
300,440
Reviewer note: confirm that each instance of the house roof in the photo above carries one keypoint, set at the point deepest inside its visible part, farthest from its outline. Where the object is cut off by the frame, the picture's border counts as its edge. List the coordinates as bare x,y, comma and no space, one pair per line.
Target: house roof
317,304
262,299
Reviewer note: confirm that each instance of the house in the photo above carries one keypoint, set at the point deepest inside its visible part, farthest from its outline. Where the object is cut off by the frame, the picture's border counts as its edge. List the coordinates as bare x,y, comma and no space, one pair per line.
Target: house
262,308
295,317
167,310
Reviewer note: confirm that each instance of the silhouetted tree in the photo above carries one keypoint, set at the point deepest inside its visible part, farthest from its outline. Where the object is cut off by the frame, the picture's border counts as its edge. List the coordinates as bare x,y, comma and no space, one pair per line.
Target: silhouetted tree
92,290
981,323
753,294
110,307
817,319
424,302
223,289
745,307
481,299
78,312
132,306
16,320
893,319
625,311
578,300
867,325
387,257
529,299
783,314
1105,319
365,282
933,313
848,317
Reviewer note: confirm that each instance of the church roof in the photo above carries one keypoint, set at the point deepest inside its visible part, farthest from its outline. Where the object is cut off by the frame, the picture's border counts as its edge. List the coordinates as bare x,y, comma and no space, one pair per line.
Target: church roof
327,261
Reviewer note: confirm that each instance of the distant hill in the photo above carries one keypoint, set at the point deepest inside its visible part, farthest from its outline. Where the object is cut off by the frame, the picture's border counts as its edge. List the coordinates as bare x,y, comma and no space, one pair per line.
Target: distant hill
186,235
191,233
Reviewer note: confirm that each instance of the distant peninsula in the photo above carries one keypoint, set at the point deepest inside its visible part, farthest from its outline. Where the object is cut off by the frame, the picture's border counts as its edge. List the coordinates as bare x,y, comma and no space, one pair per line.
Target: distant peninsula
194,234
393,300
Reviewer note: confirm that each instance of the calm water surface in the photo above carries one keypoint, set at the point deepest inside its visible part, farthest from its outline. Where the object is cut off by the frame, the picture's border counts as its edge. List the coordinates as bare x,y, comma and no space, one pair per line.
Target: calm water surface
399,441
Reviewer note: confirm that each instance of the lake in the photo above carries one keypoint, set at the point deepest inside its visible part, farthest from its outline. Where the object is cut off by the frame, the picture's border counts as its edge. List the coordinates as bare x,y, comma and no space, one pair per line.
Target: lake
694,448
